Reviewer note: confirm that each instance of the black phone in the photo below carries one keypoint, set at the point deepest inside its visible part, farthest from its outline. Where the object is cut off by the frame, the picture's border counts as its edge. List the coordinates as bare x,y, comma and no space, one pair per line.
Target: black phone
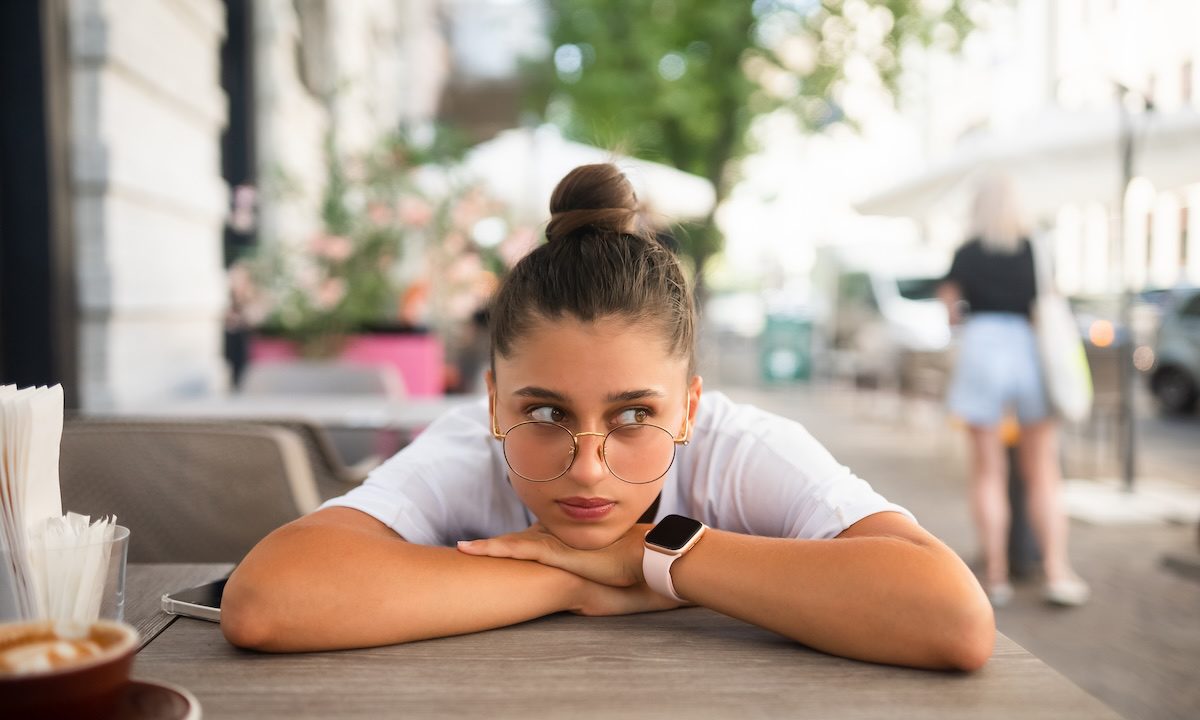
202,602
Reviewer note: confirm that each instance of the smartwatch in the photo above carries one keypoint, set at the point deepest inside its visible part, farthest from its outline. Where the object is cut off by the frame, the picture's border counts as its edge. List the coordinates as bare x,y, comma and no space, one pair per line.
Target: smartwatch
673,536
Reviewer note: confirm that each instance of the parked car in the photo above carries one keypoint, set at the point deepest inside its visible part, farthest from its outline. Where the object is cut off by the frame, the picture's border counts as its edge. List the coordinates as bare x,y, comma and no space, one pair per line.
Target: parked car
883,310
1175,376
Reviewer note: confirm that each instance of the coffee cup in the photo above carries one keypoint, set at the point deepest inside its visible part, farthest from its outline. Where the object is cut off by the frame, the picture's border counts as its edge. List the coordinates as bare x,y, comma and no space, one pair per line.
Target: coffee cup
50,671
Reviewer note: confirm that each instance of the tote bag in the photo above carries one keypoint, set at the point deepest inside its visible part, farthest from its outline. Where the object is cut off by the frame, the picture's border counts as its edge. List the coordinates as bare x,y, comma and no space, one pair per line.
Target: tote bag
1065,370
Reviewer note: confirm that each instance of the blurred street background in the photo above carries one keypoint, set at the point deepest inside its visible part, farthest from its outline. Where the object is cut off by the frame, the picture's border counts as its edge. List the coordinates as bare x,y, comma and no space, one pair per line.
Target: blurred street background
294,212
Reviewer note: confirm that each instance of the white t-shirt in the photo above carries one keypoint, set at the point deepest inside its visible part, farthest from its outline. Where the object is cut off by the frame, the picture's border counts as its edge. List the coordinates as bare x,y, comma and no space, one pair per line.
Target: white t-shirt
745,470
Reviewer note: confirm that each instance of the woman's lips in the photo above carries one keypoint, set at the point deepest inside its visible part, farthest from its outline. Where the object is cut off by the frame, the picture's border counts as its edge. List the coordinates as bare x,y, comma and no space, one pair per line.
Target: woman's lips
578,508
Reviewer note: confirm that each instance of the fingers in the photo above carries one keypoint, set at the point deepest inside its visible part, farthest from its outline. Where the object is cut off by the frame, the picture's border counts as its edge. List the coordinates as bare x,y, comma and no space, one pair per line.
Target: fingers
618,565
518,548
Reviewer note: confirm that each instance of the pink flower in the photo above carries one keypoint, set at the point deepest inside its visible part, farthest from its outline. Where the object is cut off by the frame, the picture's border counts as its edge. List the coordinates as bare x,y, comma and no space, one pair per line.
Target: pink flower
414,212
465,268
379,213
331,247
307,277
330,293
485,286
470,209
454,243
461,306
414,304
517,245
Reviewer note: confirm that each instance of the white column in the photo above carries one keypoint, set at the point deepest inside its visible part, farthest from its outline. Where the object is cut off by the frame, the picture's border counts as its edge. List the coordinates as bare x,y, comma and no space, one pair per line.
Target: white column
1139,203
1165,269
1192,272
1068,245
1096,248
147,113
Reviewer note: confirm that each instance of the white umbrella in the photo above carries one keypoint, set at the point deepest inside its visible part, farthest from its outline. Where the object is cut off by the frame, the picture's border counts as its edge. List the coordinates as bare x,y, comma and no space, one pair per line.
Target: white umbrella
522,166
1066,158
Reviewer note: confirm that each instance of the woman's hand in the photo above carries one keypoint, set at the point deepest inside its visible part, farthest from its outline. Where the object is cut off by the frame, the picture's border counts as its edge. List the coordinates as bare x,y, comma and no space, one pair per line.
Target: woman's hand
618,565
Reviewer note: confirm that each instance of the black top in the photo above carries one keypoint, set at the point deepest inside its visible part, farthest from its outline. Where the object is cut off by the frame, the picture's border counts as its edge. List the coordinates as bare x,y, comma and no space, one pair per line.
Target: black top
994,282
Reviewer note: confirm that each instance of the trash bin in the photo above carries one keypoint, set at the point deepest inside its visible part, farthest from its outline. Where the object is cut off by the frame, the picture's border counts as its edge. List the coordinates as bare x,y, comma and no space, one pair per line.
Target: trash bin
785,348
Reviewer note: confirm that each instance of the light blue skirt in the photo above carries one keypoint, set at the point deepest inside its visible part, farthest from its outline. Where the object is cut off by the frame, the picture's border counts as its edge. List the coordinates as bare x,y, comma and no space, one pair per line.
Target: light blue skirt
998,370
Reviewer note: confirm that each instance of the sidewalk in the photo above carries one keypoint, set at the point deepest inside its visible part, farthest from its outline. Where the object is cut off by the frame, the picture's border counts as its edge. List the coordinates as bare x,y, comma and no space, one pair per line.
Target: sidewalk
1135,646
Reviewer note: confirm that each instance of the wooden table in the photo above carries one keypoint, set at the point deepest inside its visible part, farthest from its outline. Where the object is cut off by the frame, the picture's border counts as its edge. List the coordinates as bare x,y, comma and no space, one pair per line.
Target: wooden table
690,663
334,411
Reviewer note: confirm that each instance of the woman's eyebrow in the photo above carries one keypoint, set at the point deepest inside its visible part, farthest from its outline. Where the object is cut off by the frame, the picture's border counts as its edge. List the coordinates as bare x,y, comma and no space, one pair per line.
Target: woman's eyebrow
629,395
540,393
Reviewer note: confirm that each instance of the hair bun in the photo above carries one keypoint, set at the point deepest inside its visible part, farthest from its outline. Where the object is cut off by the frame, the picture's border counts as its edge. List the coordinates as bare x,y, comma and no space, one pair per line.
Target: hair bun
597,197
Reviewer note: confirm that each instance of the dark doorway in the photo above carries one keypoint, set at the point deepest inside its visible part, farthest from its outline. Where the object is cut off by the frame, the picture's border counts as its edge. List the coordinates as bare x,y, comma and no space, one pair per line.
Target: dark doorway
238,164
38,315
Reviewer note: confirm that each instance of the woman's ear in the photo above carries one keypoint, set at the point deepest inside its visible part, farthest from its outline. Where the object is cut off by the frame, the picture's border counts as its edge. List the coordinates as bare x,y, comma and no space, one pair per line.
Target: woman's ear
489,378
695,388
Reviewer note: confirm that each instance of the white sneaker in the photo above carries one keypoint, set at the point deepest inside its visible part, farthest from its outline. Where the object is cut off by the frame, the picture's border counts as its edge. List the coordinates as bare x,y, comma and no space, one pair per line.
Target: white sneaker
999,594
1069,592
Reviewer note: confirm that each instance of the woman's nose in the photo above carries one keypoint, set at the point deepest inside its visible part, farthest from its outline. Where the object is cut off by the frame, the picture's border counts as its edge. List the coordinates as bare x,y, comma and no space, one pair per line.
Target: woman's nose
589,467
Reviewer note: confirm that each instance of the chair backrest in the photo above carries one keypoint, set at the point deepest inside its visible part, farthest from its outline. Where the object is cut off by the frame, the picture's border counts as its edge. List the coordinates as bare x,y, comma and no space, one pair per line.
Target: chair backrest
187,491
306,377
332,475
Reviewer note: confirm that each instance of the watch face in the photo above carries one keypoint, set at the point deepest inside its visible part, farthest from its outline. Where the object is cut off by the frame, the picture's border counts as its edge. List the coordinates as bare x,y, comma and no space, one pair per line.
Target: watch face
673,532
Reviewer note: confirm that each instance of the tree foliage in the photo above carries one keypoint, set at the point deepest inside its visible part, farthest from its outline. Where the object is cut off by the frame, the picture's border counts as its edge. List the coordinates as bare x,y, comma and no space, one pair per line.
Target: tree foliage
680,81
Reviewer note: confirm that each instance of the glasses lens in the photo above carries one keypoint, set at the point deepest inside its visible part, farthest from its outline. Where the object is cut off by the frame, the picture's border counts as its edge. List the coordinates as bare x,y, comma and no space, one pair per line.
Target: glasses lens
538,451
639,453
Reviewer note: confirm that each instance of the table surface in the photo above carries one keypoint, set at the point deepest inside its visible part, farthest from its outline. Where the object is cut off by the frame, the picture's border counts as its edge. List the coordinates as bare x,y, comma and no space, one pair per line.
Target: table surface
342,411
690,663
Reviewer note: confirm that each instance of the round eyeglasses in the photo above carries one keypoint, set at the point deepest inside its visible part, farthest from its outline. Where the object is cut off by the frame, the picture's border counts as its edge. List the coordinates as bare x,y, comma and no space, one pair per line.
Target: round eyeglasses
637,453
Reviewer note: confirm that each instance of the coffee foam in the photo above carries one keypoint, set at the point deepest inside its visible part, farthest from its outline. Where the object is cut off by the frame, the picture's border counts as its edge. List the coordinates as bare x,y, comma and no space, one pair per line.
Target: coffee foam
43,647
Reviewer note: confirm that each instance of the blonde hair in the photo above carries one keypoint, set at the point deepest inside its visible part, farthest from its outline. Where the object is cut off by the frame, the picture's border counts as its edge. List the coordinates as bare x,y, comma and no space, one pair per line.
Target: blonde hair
996,217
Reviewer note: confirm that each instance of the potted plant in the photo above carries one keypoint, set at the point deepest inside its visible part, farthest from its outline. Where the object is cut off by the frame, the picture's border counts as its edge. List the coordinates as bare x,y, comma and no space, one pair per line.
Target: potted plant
406,256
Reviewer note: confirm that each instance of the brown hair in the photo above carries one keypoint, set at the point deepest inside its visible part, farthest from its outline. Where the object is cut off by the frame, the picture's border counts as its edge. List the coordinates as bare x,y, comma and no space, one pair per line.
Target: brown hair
598,261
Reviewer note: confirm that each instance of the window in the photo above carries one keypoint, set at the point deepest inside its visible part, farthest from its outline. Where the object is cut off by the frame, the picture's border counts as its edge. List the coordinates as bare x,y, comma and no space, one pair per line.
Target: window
855,290
1149,239
1185,80
1191,308
918,288
1183,236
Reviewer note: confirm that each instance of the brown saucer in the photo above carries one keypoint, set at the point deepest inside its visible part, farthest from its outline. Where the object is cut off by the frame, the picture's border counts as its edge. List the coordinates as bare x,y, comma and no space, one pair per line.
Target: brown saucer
150,700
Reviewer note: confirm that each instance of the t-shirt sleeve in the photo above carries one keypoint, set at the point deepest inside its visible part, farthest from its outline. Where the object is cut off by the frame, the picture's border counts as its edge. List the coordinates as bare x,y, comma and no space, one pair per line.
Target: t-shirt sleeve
441,488
770,477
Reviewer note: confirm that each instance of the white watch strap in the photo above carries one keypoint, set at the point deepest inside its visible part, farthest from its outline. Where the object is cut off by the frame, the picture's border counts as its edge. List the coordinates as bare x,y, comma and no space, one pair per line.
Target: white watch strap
656,568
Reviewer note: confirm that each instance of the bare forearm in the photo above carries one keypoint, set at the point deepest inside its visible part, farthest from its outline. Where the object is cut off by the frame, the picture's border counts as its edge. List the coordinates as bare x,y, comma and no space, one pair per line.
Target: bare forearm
951,297
880,599
309,587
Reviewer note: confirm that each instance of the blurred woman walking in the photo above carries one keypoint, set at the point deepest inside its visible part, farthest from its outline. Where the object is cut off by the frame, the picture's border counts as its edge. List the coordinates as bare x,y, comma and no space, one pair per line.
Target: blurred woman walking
991,286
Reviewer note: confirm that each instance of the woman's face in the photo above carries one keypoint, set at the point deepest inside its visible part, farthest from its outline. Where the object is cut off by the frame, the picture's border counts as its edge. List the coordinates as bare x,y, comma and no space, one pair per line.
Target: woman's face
590,377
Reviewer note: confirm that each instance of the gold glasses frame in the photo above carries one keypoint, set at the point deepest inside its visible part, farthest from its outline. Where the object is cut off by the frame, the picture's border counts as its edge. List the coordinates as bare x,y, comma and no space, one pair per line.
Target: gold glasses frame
680,439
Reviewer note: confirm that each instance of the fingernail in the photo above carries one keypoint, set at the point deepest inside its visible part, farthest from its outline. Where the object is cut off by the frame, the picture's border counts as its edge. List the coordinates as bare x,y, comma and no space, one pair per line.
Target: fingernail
465,543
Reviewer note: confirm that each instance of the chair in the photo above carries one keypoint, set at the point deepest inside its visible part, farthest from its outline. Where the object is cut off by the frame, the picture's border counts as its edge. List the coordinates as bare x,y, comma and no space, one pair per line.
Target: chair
187,491
332,475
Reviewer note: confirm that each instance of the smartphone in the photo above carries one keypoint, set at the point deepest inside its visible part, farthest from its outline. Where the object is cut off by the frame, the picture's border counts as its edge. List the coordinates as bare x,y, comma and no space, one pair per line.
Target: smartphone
203,602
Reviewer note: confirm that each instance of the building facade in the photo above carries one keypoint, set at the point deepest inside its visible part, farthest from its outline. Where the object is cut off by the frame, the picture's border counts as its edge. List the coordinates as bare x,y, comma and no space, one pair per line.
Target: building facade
151,118
1046,90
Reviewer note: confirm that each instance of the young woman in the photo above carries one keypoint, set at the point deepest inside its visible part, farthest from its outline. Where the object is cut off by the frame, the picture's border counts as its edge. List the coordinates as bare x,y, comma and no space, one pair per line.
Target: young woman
594,435
998,369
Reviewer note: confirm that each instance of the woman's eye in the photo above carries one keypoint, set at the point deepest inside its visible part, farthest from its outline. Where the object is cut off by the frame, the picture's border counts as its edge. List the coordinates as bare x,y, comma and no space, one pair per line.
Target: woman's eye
547,413
633,416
